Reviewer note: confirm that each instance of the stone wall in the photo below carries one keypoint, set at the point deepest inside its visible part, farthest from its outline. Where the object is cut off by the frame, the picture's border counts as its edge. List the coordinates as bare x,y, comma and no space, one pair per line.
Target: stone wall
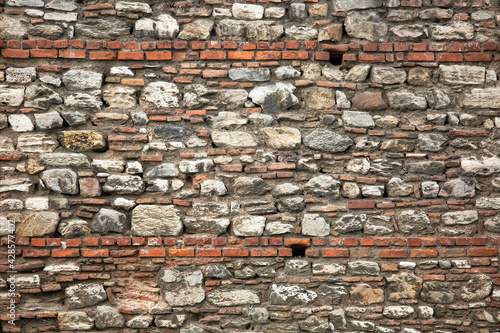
273,166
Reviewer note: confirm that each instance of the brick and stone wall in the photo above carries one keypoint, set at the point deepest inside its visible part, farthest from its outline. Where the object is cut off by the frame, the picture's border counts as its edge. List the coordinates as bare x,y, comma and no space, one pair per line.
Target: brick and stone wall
261,166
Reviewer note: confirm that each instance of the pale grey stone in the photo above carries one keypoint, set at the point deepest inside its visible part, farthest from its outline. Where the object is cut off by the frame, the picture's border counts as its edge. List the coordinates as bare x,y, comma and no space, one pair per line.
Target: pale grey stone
460,218
488,98
73,228
274,12
228,120
398,312
458,188
222,13
91,100
249,74
6,143
358,165
233,139
365,25
301,33
328,269
315,225
347,5
436,13
233,297
406,100
64,5
453,30
49,31
291,295
437,292
78,79
107,220
214,226
245,186
8,204
358,73
387,75
281,137
349,223
274,97
74,321
493,224
488,203
122,203
156,220
430,189
108,317
410,221
316,324
484,167
328,141
61,17
48,120
129,6
197,166
372,191
19,184
11,96
249,225
461,74
432,142
83,295
160,95
409,32
385,168
164,26
41,97
64,181
342,100
20,75
170,320
286,189
350,190
357,119
182,286
425,312
139,322
123,184
213,187
324,186
247,11
286,72
12,28
108,165
278,228
378,225
362,267
318,98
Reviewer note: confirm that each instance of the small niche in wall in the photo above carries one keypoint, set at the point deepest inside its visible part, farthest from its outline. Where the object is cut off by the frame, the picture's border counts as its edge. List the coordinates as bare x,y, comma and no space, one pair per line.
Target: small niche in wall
336,58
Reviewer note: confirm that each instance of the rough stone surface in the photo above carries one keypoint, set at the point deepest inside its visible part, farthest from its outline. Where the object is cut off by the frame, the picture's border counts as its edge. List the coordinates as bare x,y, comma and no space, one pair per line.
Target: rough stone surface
182,286
38,225
151,220
328,141
63,181
83,295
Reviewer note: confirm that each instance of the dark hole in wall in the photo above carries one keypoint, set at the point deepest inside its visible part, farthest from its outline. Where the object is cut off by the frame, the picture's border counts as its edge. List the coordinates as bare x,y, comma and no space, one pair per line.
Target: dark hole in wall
336,58
298,251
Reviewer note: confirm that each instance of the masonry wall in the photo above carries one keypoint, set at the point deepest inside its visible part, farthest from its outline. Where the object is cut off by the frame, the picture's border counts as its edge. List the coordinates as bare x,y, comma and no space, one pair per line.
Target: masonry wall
268,166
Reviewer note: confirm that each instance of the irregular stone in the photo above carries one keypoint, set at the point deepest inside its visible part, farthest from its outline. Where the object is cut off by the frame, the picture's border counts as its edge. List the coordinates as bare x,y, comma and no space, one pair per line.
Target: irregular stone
378,225
458,188
437,99
459,74
493,224
365,25
358,73
477,288
108,165
426,167
388,75
488,203
249,74
8,204
217,271
107,220
213,187
63,268
119,96
92,100
483,167
160,95
198,166
278,228
436,292
109,118
432,142
453,30
328,269
410,32
285,189
324,186
398,145
245,186
122,203
460,218
488,98
74,321
61,17
369,101
64,181
436,13
286,72
338,319
157,185
83,295
349,223
247,12
430,189
20,75
234,139
357,119
206,226
398,312
331,32
249,225
347,5
364,294
41,97
410,221
197,30
294,32
132,6
274,97
139,322
318,98
315,225
233,297
181,286
228,120
164,27
123,184
156,220
11,96
108,317
419,76
342,100
20,184
406,100
385,168
172,132
211,208
295,204
73,228
350,190
6,143
363,267
396,187
170,321
38,225
103,29
281,137
328,141
48,120
79,141
20,123
315,324
48,31
12,28
291,295
403,286
78,79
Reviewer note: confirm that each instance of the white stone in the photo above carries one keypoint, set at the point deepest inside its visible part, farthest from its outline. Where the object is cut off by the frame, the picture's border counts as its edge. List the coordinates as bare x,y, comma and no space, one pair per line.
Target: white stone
20,123
160,94
249,225
11,96
38,203
20,75
129,6
315,225
61,17
247,12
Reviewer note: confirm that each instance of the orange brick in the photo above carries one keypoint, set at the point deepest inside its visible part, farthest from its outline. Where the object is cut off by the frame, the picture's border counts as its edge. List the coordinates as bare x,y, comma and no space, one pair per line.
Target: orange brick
335,253
104,55
181,252
208,252
72,54
228,252
393,253
213,55
421,253
130,55
241,55
158,55
37,53
90,253
9,53
152,253
65,253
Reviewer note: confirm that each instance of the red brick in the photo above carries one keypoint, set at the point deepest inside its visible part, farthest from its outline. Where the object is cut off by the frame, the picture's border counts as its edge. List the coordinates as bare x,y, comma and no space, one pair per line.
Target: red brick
295,55
152,253
208,252
421,253
72,54
393,253
264,253
361,204
213,55
450,57
65,253
130,55
9,53
420,56
478,57
241,55
214,73
181,252
28,253
487,252
335,253
37,53
102,55
158,55
91,253
231,252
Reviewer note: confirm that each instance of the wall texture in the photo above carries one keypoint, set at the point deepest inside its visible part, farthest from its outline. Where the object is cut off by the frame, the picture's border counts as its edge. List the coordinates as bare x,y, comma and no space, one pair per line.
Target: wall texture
278,166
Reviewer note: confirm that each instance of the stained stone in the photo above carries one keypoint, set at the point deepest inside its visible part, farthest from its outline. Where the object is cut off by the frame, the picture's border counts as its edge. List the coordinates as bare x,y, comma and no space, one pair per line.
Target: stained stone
48,120
328,141
315,324
350,190
398,145
108,165
460,218
206,225
410,221
378,225
6,143
8,204
315,225
409,32
459,74
436,292
398,312
107,220
48,31
493,224
357,119
286,72
331,32
484,167
274,97
453,30
83,295
171,320
347,5
156,220
403,286
233,139
122,184
20,75
73,228
318,98
458,188
342,100
249,225
324,186
477,288
358,73
437,99
38,96
78,79
74,321
291,295
247,12
369,101
139,322
79,141
181,286
104,29
210,208
108,317
365,25
80,100
39,225
419,76
164,170
19,184
164,27
396,187
119,96
12,28
11,96
385,168
328,269
294,32
406,100
426,167
213,187
197,30
488,98
172,132
63,181
228,120
363,267
199,166
388,75
160,95
432,142
364,294
281,137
